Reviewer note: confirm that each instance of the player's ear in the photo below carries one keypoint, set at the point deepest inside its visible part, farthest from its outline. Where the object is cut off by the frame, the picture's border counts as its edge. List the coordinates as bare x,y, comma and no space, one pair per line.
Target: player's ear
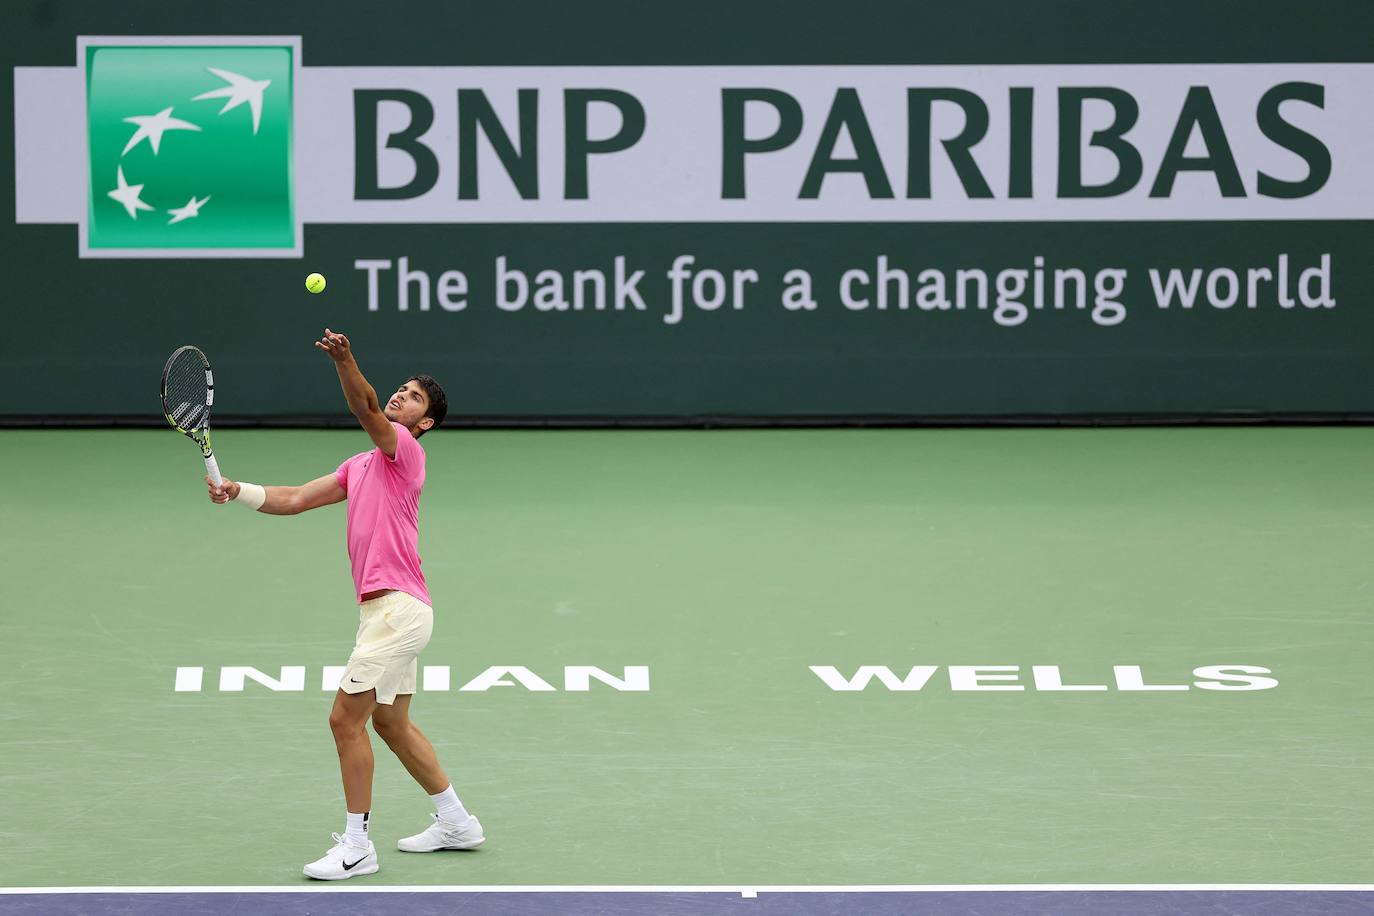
425,423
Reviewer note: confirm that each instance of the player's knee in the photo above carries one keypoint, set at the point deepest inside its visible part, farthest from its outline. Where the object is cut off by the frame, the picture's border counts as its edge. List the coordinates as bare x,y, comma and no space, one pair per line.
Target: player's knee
389,730
341,725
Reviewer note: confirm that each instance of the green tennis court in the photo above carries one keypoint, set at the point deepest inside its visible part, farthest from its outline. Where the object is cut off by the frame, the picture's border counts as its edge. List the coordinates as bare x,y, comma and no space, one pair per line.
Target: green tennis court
727,563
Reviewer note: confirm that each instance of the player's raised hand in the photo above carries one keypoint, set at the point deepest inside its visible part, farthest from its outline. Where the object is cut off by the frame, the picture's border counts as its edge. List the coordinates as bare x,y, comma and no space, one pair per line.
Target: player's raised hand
336,345
221,493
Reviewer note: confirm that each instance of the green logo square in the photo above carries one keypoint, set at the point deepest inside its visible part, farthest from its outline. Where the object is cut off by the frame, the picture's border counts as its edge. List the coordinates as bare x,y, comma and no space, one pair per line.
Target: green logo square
189,147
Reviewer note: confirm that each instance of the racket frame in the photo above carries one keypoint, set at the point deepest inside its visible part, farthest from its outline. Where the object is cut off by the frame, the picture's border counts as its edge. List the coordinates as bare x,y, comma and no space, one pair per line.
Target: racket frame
200,433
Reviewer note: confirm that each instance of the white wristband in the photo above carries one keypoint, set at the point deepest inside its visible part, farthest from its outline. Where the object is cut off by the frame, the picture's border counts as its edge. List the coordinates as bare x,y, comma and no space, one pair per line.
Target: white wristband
251,495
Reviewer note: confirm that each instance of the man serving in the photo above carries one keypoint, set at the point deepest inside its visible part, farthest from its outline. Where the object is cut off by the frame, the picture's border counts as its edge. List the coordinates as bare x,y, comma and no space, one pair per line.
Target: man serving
382,487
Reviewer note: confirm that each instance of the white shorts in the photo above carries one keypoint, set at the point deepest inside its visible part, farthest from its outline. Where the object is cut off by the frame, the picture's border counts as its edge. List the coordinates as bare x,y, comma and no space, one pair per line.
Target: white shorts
392,629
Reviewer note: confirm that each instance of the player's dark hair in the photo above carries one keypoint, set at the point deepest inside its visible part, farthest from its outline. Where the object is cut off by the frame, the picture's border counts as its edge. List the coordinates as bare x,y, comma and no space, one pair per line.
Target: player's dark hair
438,401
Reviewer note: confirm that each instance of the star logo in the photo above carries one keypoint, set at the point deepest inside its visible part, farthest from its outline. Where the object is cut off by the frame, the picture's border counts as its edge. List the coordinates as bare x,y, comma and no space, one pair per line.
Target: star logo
152,127
191,209
240,89
129,195
239,157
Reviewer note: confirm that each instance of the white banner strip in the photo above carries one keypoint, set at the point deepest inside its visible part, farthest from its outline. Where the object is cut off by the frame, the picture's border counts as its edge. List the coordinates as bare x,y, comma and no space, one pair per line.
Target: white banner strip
857,144
49,186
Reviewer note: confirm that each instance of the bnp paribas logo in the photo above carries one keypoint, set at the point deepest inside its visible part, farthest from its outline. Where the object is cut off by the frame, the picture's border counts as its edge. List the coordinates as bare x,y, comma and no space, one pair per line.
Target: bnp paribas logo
189,145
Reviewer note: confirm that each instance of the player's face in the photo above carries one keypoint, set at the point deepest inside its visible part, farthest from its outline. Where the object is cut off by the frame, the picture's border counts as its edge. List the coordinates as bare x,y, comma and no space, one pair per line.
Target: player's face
408,405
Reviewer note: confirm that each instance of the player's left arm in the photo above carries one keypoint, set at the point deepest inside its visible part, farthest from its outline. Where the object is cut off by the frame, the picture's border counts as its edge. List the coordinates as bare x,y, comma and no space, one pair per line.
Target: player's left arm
361,397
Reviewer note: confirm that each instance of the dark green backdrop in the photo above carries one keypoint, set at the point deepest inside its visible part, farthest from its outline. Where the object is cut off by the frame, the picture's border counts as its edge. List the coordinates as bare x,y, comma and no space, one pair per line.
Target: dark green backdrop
89,337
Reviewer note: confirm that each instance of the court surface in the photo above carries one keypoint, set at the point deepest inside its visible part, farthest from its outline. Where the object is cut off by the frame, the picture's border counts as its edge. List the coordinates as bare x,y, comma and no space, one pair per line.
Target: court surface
728,563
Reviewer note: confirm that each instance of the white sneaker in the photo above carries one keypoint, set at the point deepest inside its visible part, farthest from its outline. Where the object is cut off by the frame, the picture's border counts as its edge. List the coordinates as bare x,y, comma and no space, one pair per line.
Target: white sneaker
344,861
443,835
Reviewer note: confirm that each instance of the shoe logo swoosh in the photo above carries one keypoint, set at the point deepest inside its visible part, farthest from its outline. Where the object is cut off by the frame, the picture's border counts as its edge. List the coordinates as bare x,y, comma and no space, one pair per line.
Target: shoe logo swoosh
349,866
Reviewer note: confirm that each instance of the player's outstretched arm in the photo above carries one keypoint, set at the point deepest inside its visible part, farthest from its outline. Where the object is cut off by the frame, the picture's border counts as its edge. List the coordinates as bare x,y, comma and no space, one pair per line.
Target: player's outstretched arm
322,491
361,397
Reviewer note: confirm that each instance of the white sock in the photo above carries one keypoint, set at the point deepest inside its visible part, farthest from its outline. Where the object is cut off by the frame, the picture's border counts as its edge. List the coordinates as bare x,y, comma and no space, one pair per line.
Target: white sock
356,831
449,807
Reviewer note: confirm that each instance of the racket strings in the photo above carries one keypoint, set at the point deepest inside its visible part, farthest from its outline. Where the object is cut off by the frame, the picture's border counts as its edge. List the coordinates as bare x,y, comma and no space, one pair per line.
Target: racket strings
186,391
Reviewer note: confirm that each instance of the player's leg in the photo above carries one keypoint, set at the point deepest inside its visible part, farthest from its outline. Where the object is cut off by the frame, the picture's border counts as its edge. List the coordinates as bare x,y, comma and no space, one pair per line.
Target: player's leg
453,827
353,853
348,722
394,726
411,623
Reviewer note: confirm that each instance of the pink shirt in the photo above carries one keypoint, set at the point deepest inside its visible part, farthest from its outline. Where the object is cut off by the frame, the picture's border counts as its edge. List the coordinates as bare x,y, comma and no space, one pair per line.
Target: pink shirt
384,517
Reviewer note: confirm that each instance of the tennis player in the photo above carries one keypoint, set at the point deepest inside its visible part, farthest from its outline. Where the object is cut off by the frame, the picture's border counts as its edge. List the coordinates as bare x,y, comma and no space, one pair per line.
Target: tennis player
382,487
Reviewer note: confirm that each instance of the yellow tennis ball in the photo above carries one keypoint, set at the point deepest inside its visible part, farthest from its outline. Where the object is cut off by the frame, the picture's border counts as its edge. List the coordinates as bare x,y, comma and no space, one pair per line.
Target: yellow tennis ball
315,283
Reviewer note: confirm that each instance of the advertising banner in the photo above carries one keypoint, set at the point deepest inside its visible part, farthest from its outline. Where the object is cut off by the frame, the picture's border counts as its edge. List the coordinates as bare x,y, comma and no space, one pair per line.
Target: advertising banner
616,240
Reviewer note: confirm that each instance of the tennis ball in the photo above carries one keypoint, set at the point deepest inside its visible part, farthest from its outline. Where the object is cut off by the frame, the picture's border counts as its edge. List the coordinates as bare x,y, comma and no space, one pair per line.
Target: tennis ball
315,283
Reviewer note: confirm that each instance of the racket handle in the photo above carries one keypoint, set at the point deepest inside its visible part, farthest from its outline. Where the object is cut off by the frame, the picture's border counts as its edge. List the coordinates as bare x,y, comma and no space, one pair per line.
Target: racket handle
212,468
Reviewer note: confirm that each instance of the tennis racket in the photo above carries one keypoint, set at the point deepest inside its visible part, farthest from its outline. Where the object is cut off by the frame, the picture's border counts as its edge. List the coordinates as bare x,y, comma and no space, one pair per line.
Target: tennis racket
188,390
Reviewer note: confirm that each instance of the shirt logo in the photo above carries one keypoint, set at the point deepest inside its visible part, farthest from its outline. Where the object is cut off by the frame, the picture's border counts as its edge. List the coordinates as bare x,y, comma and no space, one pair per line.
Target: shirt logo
189,149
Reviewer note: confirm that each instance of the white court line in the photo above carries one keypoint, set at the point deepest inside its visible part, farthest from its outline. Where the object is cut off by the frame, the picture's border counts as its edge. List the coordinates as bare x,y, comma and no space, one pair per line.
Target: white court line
677,889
